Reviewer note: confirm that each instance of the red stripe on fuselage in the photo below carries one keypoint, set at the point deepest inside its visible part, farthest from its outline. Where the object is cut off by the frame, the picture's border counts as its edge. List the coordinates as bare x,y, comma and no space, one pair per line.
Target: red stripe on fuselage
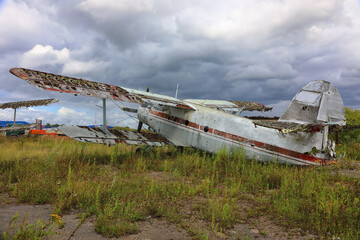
237,138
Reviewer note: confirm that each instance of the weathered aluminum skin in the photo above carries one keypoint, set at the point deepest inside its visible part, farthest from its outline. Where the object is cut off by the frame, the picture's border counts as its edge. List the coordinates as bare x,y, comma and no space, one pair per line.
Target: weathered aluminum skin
30,103
232,107
229,131
97,135
317,102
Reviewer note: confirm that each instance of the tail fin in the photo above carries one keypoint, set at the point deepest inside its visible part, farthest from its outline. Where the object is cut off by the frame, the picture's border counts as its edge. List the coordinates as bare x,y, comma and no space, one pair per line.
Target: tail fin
317,102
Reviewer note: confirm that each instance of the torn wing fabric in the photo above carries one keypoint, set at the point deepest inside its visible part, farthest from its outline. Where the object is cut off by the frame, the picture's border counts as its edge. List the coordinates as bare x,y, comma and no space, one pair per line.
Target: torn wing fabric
232,107
54,82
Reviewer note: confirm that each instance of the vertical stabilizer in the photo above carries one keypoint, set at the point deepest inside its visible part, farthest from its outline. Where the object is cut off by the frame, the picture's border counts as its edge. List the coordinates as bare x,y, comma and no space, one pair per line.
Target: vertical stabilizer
317,102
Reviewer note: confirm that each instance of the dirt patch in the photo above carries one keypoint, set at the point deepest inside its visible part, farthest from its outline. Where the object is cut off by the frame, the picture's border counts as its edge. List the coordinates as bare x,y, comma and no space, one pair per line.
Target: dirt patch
153,228
27,214
5,199
157,228
265,228
159,176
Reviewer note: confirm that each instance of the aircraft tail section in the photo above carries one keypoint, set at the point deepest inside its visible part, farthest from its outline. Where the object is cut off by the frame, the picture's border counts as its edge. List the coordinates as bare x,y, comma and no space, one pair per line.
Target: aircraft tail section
317,102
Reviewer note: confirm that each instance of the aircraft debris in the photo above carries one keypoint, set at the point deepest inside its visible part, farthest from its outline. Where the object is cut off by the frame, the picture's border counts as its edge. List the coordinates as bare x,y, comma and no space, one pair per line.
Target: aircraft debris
30,103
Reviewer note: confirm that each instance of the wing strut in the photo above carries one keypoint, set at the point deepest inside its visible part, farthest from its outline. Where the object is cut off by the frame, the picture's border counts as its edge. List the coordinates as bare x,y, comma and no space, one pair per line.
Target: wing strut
141,123
104,116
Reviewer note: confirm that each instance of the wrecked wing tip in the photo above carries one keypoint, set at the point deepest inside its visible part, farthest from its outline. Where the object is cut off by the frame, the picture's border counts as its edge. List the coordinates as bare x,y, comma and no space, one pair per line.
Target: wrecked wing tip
19,72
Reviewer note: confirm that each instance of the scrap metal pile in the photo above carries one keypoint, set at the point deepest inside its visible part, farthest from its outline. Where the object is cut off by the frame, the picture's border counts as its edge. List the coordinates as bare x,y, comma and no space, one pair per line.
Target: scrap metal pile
112,136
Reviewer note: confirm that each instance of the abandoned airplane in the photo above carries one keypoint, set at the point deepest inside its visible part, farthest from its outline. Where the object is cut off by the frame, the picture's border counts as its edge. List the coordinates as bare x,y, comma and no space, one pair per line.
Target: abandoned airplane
299,137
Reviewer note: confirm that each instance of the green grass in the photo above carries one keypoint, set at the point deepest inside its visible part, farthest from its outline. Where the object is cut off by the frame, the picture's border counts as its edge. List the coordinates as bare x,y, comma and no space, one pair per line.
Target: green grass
121,188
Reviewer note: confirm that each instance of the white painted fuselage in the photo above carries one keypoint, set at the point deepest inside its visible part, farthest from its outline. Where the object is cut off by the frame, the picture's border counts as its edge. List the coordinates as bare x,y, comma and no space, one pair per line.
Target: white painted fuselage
211,130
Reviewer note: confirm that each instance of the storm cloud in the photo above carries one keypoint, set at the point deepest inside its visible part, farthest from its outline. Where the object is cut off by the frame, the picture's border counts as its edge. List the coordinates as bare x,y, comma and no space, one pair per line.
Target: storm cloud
261,51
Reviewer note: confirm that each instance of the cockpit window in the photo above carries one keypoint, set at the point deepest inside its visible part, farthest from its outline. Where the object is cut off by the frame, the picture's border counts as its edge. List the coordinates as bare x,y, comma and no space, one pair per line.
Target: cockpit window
308,98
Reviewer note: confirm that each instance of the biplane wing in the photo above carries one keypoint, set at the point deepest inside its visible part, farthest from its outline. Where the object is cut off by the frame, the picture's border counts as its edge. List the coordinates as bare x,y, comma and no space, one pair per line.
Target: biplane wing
58,83
54,82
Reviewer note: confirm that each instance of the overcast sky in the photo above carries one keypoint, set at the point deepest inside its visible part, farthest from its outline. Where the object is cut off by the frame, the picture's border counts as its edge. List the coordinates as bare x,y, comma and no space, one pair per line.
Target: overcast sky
263,50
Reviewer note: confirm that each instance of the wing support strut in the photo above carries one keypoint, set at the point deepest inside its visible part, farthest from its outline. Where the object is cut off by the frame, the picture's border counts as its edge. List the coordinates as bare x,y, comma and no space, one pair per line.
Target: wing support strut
104,127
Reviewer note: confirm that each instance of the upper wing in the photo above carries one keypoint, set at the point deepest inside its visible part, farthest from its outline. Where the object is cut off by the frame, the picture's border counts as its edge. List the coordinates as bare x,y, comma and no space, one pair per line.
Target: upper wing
54,82
232,107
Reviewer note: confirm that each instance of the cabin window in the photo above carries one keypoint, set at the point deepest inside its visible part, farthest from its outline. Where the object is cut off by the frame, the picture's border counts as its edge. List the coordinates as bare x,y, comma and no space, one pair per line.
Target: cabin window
206,129
187,122
308,98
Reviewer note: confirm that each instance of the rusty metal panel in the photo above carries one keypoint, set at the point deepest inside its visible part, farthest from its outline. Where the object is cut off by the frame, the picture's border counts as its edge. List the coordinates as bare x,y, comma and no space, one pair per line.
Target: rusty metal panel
31,103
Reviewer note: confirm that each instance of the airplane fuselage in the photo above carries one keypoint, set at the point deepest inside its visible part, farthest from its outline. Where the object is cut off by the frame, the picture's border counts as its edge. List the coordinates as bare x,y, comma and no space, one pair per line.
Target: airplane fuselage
211,130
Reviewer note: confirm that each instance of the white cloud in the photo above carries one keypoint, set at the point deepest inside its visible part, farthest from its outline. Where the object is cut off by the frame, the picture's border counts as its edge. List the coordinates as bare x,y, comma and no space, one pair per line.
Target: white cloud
41,55
221,47
44,55
109,9
78,67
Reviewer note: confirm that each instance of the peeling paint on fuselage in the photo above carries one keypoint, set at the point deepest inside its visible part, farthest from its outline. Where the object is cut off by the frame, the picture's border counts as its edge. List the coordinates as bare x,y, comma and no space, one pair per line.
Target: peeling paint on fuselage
229,131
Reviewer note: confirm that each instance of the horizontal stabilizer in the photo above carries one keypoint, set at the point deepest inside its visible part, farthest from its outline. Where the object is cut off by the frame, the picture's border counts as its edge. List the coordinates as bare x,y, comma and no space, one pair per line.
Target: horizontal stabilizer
114,136
288,127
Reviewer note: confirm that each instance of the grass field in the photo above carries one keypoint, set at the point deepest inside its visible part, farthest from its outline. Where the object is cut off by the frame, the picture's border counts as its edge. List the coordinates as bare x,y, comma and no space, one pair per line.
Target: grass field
121,188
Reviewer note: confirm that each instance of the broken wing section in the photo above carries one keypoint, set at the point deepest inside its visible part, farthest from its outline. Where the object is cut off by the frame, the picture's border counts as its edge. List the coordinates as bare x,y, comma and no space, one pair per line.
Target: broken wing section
58,83
18,127
30,103
232,107
317,102
97,135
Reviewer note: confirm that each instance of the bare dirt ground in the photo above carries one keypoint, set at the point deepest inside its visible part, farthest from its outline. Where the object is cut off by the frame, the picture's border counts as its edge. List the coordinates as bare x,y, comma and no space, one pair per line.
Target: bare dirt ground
257,227
154,228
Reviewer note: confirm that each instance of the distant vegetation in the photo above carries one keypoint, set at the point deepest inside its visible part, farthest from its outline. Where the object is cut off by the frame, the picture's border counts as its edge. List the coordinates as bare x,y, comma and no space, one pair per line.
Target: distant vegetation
349,137
52,125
